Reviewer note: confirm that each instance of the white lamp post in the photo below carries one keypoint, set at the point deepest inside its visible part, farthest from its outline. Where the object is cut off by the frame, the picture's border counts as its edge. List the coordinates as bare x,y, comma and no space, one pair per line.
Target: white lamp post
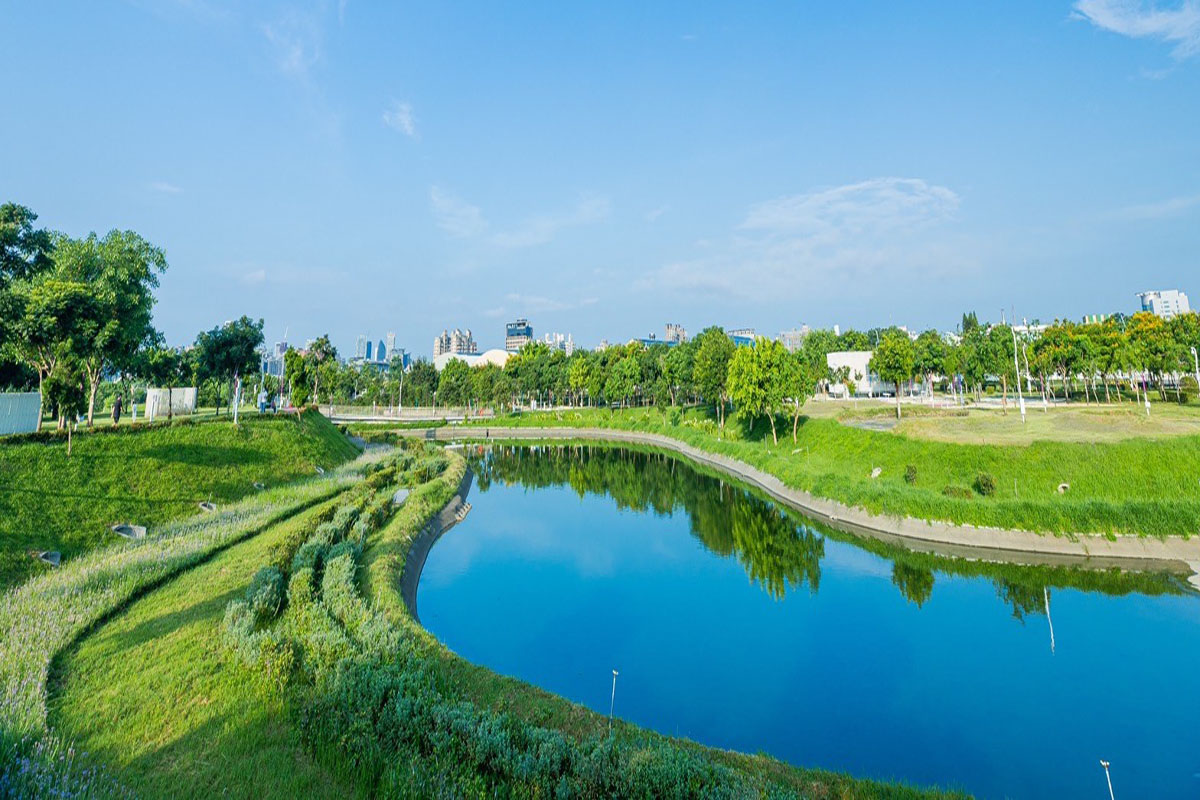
1017,373
1196,364
612,701
1108,778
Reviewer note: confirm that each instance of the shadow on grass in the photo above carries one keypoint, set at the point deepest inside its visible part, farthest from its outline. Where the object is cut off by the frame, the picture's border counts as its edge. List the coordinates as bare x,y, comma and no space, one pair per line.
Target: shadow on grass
204,455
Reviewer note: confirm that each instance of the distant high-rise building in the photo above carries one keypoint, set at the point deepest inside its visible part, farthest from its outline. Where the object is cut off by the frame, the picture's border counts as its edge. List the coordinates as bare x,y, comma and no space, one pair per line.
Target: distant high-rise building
457,342
381,352
361,347
391,345
517,334
1166,304
675,333
741,336
559,341
370,350
793,340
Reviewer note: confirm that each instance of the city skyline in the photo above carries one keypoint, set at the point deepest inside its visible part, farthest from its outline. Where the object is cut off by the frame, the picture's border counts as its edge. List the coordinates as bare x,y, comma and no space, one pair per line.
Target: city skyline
699,165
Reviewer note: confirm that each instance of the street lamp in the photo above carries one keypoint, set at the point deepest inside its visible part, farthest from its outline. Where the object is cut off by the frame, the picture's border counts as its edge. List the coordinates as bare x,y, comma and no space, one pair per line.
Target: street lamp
1017,372
612,701
1196,364
1107,777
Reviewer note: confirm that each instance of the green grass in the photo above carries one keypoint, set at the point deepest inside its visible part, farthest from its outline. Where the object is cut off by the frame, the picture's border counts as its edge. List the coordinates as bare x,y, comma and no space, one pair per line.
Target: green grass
157,697
1141,485
144,475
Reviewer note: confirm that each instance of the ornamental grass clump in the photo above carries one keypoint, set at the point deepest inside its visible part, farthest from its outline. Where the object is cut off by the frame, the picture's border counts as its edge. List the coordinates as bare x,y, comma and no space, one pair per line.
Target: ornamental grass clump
985,484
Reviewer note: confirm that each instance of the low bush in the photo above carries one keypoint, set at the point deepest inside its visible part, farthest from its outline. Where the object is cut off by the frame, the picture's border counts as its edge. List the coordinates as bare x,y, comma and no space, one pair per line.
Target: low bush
985,484
958,492
910,474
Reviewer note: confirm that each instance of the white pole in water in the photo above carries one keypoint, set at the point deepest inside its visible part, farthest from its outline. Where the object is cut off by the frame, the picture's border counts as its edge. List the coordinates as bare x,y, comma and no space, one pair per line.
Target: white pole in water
1108,778
1046,600
612,701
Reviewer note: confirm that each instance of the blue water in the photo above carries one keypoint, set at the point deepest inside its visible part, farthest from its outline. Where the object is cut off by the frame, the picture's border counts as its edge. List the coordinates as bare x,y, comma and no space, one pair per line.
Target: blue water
820,659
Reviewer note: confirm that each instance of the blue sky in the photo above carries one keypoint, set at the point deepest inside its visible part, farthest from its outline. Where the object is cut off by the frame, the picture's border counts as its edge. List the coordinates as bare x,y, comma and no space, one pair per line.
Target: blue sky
605,168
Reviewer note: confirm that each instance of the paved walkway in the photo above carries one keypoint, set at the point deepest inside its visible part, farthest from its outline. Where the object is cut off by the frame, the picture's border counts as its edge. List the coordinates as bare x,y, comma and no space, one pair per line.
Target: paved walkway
967,541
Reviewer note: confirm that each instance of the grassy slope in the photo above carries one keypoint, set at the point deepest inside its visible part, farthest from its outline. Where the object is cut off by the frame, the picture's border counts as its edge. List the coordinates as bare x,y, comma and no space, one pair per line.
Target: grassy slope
1141,486
384,562
146,476
158,697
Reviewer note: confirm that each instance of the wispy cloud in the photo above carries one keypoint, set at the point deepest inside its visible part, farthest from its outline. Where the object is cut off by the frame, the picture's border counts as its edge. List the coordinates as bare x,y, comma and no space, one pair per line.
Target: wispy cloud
1179,25
880,231
516,304
296,36
541,228
456,216
464,220
400,118
1163,209
254,277
653,214
165,187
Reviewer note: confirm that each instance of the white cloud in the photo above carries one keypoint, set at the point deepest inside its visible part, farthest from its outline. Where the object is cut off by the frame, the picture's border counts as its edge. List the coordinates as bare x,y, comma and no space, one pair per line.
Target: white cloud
880,232
400,118
541,228
165,187
296,37
456,217
1179,26
653,214
254,277
1171,207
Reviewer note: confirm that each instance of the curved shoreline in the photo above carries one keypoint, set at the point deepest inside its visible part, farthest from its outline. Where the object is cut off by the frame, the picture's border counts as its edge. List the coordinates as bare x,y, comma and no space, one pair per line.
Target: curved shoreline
423,542
1130,552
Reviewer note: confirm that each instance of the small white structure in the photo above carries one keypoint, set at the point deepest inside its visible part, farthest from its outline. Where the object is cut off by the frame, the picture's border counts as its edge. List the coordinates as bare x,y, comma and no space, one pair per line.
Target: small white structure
1167,303
19,412
493,356
182,400
858,372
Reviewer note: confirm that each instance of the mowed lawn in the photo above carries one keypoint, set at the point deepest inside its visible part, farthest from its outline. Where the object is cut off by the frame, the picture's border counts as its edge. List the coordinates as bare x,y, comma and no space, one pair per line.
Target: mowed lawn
1127,484
146,476
160,700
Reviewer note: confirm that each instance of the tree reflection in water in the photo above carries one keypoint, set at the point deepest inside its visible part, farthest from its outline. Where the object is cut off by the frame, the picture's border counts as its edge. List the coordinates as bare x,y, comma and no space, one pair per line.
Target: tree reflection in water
779,550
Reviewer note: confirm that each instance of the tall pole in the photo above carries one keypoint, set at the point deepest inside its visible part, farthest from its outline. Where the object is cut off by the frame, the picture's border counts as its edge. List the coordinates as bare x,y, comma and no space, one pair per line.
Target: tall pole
612,701
1017,373
1196,364
1108,778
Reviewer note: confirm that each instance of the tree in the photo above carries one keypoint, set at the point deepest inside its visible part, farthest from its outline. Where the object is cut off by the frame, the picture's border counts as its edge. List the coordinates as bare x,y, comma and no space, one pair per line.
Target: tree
714,351
969,323
454,383
122,272
228,352
893,361
622,380
677,366
854,340
929,357
580,374
24,250
66,391
798,384
998,359
757,379
318,354
56,320
299,379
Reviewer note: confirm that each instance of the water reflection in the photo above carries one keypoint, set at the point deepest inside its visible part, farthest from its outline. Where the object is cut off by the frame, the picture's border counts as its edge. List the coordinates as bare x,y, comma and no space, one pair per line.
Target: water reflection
779,550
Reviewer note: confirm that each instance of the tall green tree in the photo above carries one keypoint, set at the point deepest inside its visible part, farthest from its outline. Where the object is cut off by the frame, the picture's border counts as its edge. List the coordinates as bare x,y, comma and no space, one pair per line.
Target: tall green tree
893,361
929,357
710,372
798,385
454,383
228,352
622,380
122,272
758,380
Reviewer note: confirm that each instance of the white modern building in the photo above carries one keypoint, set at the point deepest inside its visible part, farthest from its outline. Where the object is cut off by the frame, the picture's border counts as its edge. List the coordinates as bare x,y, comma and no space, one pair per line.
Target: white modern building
559,341
494,356
1166,303
793,340
676,334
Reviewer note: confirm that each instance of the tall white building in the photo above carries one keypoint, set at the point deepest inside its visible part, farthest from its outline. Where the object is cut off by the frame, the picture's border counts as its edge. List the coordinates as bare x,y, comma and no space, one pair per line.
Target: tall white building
457,342
1166,303
559,341
793,340
676,334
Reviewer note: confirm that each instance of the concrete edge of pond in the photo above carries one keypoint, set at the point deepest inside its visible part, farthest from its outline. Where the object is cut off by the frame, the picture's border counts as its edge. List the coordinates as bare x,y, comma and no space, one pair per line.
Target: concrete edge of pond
1178,555
423,542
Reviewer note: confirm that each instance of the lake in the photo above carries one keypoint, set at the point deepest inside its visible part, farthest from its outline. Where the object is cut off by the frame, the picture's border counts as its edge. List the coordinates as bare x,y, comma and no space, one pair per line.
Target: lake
738,624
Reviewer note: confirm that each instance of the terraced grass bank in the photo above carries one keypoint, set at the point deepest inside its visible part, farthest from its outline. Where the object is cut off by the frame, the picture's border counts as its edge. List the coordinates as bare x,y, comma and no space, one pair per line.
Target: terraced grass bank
146,475
270,654
1137,486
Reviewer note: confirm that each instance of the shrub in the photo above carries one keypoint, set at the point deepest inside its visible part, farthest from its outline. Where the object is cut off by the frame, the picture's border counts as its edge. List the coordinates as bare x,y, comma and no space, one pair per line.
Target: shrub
264,595
910,474
985,484
300,588
959,492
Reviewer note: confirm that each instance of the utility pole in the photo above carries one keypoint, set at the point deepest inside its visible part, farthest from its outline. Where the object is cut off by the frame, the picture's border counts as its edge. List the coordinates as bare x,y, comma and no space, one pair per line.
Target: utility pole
1017,372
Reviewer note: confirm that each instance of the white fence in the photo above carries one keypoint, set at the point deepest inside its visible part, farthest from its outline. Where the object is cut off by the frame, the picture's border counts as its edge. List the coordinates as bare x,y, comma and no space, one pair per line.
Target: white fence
182,400
19,412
